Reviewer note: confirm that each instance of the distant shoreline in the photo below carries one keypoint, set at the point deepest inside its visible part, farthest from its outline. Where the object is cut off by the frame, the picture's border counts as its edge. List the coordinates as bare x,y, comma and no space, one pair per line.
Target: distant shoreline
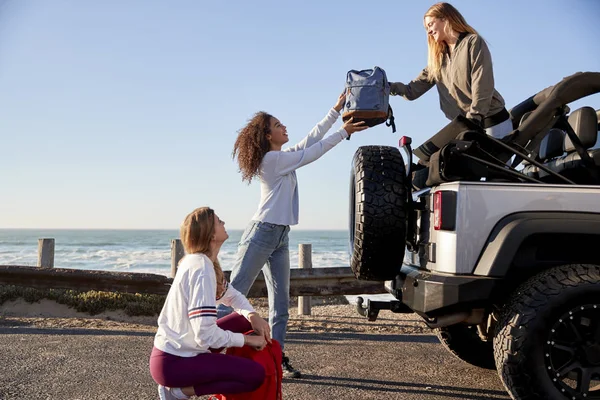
150,229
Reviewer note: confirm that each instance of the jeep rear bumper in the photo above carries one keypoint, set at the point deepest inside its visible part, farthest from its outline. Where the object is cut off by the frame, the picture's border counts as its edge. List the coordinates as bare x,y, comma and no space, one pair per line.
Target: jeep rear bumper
429,293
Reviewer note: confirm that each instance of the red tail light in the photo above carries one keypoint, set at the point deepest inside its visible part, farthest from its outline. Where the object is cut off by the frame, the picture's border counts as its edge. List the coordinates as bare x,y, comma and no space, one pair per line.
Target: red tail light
444,210
404,140
437,211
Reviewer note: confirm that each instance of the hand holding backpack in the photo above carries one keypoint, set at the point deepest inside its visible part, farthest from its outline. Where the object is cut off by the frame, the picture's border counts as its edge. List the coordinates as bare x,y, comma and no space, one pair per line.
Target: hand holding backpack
367,98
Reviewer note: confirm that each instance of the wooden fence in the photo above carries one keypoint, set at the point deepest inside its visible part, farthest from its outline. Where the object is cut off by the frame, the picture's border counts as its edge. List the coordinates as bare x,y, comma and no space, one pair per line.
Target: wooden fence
305,281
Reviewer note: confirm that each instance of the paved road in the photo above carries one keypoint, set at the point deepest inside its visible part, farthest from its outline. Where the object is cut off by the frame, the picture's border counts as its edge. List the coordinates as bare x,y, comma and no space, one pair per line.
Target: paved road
78,364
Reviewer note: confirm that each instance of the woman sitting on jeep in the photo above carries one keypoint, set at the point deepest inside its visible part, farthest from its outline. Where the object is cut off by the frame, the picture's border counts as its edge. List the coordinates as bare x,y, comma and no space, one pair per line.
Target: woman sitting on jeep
460,66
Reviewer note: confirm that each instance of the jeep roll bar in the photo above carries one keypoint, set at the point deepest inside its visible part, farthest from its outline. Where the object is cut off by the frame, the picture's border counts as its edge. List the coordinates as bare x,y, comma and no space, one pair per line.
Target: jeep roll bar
547,103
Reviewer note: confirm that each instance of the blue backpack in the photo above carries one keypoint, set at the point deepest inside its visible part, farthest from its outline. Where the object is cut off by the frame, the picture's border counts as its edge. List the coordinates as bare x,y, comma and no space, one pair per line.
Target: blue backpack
367,98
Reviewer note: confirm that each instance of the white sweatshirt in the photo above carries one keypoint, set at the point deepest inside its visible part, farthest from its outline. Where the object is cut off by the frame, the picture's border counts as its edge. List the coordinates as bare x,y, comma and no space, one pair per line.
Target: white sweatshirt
187,323
278,183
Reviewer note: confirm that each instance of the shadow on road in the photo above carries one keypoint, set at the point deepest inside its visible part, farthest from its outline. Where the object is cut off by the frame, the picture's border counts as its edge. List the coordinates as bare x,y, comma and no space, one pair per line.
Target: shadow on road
71,331
375,386
312,338
364,322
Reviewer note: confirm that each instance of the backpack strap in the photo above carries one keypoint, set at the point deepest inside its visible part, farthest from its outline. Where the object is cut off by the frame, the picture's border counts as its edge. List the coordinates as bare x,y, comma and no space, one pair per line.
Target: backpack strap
391,119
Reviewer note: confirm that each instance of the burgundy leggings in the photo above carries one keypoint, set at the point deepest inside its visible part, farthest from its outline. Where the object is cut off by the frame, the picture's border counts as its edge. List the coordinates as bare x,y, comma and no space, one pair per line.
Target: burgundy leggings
209,373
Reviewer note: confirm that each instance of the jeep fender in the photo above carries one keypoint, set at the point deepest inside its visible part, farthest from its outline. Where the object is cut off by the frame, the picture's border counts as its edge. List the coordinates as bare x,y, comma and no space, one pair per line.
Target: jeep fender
511,232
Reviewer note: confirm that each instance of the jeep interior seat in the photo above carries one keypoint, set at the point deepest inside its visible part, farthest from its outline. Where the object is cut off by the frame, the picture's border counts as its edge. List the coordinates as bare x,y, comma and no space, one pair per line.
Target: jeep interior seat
584,122
551,147
528,168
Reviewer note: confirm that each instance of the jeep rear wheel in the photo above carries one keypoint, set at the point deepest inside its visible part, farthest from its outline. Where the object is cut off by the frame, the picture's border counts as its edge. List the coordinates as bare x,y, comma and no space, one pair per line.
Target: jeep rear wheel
547,341
464,342
378,203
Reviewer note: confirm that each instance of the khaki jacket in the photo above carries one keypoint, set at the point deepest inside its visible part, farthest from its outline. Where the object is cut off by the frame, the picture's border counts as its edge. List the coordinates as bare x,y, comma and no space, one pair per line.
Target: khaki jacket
466,86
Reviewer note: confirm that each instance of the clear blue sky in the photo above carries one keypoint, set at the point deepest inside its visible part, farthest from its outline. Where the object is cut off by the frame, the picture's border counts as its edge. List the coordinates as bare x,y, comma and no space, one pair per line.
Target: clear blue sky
123,114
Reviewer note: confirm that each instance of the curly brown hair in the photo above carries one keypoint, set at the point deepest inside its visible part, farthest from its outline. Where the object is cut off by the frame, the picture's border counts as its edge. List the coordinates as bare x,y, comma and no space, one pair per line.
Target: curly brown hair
251,145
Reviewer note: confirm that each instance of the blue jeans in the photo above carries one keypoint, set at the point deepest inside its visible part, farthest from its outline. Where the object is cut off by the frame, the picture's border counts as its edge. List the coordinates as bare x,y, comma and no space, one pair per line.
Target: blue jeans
265,246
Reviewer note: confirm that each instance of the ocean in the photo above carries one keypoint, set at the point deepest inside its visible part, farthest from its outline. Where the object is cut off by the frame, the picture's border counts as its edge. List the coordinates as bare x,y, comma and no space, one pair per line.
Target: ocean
148,250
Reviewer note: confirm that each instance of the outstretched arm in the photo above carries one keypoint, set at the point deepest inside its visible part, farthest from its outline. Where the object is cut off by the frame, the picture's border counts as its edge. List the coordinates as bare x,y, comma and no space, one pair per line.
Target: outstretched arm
287,162
322,127
413,90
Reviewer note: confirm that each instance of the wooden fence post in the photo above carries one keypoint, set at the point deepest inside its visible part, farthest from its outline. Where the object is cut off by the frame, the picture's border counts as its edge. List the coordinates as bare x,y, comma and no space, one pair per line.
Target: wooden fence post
45,253
305,261
177,254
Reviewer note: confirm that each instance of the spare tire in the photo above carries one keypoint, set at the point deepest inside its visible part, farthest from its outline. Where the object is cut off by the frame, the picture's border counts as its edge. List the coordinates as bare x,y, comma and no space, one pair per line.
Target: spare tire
378,209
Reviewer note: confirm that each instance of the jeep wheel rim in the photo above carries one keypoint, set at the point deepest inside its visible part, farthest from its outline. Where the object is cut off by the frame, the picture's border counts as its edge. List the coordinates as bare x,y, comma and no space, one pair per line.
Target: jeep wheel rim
572,353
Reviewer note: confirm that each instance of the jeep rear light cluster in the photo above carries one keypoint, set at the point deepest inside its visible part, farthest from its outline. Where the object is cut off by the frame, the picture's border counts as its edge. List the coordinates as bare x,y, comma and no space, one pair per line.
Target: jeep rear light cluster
444,210
437,211
404,141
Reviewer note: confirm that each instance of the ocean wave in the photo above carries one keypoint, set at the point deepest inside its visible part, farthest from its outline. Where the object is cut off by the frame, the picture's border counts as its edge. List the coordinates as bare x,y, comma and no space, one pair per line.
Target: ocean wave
148,251
148,260
92,244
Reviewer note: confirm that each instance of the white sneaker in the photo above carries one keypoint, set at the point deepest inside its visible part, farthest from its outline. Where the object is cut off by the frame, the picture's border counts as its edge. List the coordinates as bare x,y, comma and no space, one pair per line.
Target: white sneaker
164,393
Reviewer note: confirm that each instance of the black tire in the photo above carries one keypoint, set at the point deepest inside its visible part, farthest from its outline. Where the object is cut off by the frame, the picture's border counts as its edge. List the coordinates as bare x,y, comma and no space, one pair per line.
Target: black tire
464,343
377,212
551,323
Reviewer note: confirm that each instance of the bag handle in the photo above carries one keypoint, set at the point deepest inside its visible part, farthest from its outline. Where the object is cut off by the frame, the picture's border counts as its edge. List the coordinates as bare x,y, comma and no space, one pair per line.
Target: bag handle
391,119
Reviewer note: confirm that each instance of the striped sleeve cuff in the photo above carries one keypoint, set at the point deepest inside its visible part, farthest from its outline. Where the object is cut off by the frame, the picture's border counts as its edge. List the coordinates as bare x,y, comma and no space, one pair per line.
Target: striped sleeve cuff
200,312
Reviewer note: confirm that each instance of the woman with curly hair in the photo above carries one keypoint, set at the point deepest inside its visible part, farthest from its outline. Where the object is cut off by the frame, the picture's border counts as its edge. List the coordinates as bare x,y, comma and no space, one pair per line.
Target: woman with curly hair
259,153
460,66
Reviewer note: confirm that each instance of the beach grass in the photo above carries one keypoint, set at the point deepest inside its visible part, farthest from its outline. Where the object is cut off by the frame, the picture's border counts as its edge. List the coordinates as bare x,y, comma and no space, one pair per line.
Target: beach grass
92,302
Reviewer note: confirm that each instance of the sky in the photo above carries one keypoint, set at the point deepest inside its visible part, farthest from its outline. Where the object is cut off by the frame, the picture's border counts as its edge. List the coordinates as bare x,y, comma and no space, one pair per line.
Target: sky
123,114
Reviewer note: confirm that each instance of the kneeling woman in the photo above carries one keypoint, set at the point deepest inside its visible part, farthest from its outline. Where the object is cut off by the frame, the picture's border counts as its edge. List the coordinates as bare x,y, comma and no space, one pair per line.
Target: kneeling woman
186,360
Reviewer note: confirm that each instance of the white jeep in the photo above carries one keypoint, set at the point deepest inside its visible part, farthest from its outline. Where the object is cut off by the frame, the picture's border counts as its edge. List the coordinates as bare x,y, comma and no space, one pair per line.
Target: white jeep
500,255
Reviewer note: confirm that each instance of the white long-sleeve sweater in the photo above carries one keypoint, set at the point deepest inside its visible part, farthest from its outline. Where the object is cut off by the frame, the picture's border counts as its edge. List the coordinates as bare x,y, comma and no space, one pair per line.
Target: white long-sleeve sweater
187,323
278,182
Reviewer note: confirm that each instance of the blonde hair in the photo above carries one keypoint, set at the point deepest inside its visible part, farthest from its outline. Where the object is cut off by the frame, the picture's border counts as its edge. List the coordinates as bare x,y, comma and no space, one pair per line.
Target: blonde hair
197,230
455,22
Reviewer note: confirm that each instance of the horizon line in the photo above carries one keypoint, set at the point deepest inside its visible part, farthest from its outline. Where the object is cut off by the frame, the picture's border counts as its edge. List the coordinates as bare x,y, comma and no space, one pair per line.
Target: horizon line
144,229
